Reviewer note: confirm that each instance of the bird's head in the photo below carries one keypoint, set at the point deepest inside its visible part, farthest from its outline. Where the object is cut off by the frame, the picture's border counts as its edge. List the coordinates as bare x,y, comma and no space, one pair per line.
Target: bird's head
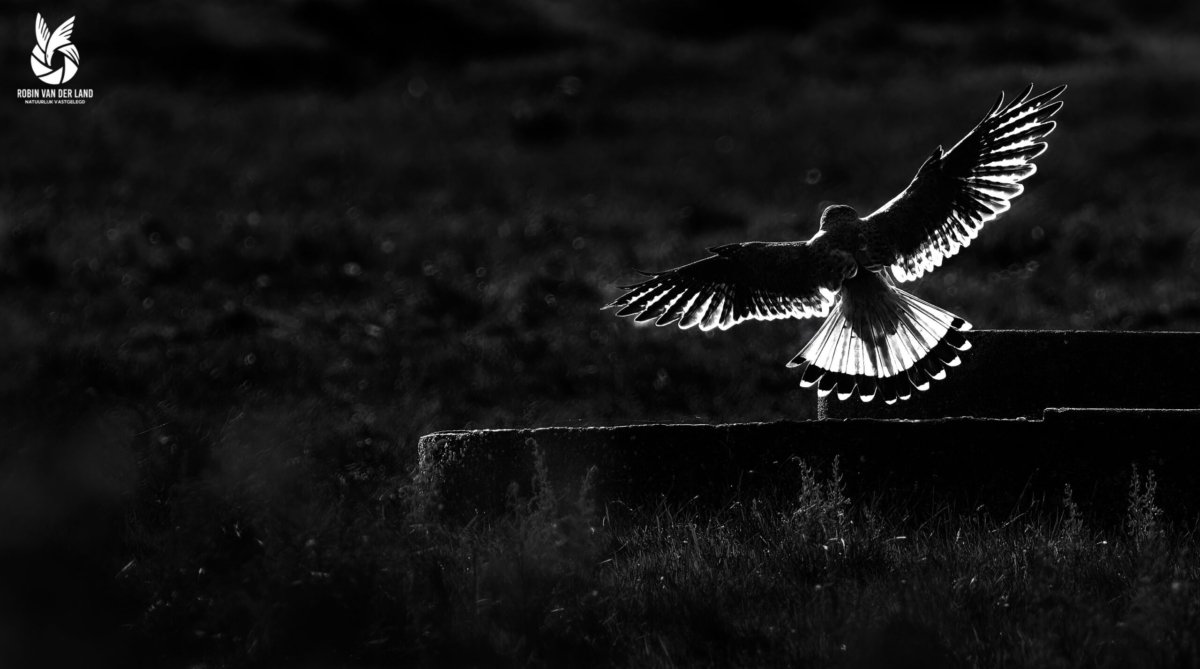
838,213
839,223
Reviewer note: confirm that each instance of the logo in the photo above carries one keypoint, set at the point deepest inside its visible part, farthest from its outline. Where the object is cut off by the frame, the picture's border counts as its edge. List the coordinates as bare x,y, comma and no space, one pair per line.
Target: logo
54,60
49,44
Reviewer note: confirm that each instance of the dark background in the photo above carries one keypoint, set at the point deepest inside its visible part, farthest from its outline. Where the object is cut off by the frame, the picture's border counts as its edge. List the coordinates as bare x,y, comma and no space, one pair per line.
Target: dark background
285,239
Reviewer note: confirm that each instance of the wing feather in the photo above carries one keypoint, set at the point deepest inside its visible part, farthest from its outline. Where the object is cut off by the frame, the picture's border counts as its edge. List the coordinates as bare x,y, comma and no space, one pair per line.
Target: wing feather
955,193
61,36
42,31
739,282
70,52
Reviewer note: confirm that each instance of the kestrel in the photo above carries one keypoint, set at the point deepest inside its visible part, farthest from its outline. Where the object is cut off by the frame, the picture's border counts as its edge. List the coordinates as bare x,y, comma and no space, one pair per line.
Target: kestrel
877,339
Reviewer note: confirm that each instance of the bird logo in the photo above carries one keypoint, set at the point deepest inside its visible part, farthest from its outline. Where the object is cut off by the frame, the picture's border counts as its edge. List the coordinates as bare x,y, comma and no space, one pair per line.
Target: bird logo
49,44
877,340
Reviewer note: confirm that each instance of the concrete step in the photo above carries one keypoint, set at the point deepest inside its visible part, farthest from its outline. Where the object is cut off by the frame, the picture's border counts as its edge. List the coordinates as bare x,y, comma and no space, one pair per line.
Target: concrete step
1020,373
964,461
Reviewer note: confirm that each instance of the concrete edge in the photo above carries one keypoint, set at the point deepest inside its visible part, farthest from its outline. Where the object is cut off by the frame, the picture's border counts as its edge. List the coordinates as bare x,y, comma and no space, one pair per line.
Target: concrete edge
955,459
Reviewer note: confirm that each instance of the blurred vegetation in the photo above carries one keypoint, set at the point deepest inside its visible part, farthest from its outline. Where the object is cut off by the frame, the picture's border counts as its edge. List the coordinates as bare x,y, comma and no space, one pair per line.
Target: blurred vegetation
285,239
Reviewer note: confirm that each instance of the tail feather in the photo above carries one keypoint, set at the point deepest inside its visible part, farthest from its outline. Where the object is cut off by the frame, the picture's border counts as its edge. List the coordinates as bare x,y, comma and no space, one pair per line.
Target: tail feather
868,388
957,341
888,390
881,342
811,375
827,384
947,355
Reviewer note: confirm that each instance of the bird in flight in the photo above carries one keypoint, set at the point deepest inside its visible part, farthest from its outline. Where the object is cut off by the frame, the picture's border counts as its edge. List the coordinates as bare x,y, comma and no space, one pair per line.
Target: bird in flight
877,340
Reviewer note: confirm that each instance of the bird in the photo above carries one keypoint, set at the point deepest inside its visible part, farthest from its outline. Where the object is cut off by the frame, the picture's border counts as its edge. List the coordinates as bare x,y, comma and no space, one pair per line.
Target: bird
877,340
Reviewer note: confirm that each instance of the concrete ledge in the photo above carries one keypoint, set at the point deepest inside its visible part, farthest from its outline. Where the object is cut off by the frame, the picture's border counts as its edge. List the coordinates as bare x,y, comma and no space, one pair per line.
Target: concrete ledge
1020,373
996,462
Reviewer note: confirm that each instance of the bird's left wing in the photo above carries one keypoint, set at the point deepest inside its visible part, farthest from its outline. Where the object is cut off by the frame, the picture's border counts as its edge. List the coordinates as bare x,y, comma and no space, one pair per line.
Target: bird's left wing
955,193
754,280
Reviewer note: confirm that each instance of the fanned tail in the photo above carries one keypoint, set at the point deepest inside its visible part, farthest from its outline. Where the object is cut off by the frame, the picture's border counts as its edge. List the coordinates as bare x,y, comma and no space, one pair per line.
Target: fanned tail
882,341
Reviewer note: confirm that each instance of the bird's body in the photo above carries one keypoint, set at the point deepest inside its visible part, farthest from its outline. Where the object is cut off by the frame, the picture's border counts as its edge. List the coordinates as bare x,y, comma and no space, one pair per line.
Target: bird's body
877,339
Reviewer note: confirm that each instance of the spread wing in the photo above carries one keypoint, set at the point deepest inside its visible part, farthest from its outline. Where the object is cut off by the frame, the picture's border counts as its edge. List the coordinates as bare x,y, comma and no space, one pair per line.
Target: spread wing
754,280
61,36
42,31
955,193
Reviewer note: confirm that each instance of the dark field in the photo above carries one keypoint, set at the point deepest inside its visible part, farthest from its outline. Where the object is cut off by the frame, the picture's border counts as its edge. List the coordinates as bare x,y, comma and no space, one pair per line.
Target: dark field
285,240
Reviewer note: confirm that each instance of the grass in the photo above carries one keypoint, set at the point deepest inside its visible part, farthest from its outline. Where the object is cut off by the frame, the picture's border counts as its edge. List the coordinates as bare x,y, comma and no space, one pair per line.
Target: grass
816,579
239,283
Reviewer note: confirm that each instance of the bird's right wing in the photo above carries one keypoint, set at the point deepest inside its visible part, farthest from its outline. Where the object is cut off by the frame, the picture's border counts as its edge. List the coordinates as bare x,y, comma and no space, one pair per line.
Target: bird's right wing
754,280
